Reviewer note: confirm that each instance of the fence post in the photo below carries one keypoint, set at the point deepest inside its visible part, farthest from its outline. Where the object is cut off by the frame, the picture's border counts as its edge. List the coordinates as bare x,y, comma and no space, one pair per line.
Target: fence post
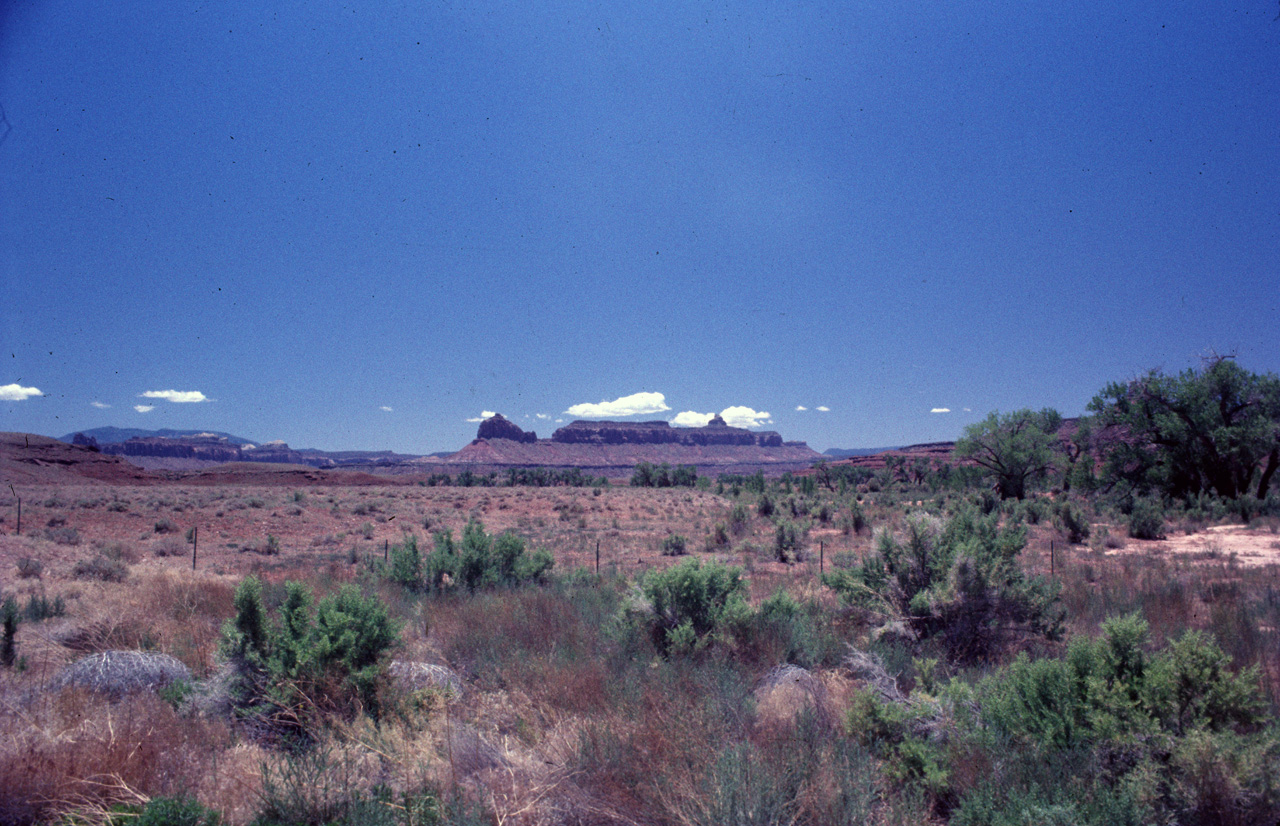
195,545
822,557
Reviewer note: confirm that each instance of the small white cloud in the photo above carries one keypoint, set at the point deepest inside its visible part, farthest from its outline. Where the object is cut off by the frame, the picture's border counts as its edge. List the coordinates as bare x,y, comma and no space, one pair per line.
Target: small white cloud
542,415
800,407
100,405
177,396
689,418
385,408
559,421
940,410
17,393
637,404
144,408
822,408
484,414
967,410
739,416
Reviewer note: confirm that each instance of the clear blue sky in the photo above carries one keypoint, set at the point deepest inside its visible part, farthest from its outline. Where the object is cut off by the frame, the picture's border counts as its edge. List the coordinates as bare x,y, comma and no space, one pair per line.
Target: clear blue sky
357,226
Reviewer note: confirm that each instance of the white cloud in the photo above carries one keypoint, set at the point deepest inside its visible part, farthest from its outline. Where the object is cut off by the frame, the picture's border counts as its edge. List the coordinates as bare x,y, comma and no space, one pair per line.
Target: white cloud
100,405
17,393
800,407
689,418
385,408
178,396
144,408
484,414
542,415
739,416
940,410
822,408
637,404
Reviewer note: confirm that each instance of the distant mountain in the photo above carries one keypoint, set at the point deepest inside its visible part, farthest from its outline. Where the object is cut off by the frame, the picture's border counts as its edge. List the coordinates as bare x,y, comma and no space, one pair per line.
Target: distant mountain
115,435
846,453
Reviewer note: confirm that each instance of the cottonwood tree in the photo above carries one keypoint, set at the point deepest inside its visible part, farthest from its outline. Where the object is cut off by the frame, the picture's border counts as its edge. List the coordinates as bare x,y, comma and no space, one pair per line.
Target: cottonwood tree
1015,450
1211,430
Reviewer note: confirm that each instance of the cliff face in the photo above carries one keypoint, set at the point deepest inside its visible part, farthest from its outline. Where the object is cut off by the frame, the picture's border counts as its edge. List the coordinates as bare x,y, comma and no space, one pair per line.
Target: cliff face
660,433
213,450
621,445
205,449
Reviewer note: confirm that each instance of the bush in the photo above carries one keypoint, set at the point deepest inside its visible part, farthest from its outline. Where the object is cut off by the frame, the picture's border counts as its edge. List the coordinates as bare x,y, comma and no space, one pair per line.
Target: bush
1072,521
1147,520
166,526
788,541
9,619
674,545
958,580
29,567
102,568
691,600
165,811
328,657
483,561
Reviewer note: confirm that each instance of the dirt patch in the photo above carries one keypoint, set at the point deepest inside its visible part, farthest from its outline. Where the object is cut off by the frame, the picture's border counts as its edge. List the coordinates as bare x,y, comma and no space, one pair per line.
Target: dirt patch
1251,546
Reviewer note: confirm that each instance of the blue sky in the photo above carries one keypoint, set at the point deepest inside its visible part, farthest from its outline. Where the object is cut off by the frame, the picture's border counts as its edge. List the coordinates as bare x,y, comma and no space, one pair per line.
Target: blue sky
358,226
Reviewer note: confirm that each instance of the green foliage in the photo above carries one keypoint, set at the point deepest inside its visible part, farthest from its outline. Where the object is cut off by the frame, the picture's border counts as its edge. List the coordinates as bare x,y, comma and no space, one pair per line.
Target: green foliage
958,580
1016,450
9,619
165,811
893,731
1146,521
483,561
1168,736
675,545
406,564
1071,520
647,475
788,541
1216,429
1111,689
331,655
691,600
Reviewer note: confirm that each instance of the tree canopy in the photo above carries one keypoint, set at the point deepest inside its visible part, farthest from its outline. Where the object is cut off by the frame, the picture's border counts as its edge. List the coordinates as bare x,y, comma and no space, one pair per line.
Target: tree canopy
1015,449
1211,430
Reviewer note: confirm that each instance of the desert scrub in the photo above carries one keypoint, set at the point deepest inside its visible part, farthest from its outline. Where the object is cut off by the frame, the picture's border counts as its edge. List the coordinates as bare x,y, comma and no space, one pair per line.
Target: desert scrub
101,567
1146,521
674,545
312,656
691,601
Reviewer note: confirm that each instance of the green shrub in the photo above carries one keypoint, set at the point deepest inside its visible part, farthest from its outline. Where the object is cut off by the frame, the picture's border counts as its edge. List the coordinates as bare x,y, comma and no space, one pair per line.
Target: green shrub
406,564
9,619
1146,521
691,600
788,541
958,580
308,659
483,561
674,545
165,811
166,526
1071,520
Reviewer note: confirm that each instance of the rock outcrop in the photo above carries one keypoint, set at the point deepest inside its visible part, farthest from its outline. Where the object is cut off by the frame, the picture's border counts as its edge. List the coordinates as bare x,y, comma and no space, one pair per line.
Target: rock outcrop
206,449
616,447
658,433
500,427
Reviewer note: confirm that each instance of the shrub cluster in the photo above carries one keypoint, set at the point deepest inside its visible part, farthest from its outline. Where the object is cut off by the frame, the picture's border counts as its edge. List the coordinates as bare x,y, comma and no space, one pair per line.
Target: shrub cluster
311,656
479,560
